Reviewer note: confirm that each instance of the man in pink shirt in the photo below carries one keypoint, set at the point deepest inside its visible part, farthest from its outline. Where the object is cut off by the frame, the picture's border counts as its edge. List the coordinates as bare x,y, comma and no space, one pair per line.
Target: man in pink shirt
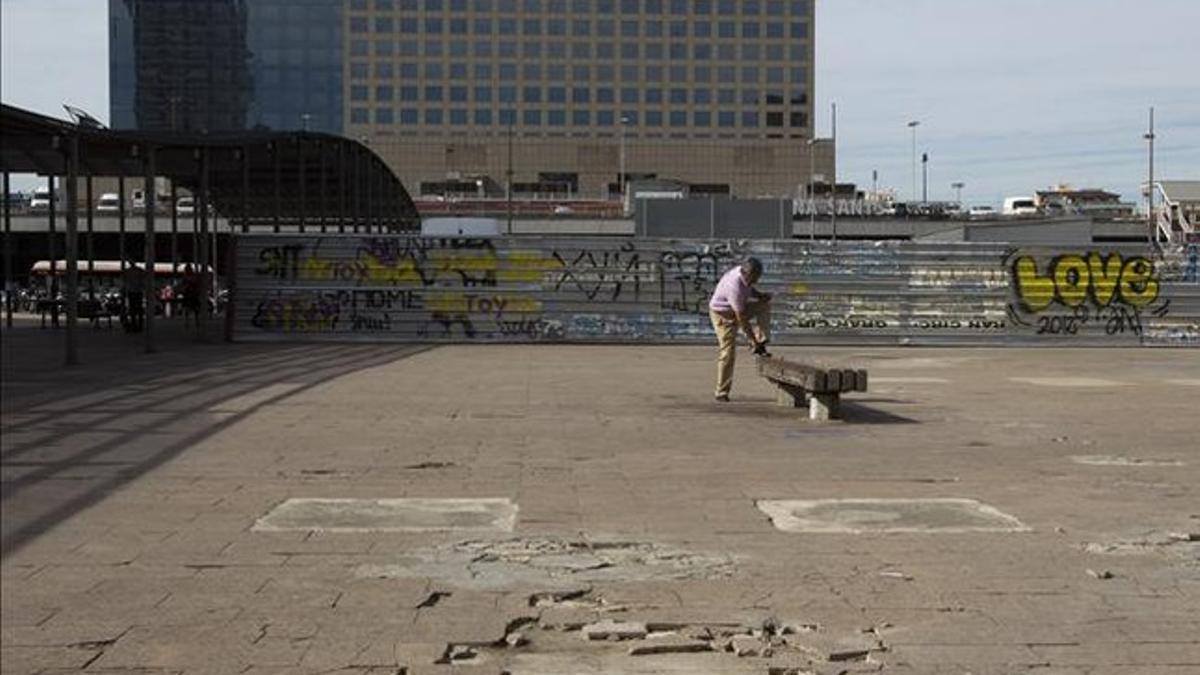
734,303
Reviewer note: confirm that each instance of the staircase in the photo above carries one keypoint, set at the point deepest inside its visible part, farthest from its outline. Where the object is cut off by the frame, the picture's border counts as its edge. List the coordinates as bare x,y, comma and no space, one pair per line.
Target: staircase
1173,226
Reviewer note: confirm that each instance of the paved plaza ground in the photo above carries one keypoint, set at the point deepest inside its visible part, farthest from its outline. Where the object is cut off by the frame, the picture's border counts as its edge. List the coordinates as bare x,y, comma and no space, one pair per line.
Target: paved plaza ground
244,508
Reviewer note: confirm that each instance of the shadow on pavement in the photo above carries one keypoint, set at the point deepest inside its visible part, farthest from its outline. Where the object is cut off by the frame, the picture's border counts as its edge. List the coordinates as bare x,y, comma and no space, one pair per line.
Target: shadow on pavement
73,436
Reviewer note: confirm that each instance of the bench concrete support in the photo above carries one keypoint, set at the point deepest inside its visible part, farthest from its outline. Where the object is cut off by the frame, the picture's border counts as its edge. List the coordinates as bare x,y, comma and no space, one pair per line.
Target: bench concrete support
824,407
804,386
821,407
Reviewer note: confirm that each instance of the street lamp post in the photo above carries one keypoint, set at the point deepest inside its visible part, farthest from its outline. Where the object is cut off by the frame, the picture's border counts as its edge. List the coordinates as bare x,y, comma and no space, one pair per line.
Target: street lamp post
913,125
1150,183
621,177
833,172
812,189
925,178
304,117
958,186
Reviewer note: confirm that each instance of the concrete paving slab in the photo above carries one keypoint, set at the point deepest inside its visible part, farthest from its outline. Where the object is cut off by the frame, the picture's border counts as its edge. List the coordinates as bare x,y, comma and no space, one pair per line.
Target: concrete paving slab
389,515
1074,382
856,516
1118,460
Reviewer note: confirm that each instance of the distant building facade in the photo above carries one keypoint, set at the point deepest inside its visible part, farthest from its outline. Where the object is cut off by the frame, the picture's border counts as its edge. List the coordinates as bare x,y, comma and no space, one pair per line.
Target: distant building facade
548,98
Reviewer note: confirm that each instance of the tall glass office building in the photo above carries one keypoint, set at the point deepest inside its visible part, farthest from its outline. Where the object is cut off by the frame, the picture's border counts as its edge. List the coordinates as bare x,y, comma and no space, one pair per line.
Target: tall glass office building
219,65
715,93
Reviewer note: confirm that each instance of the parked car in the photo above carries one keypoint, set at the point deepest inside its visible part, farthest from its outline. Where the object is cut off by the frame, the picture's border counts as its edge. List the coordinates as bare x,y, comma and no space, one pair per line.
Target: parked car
185,206
109,202
981,212
41,199
563,210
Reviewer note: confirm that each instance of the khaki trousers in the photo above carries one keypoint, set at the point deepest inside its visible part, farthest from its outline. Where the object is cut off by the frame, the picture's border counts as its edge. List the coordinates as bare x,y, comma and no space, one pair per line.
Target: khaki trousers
759,315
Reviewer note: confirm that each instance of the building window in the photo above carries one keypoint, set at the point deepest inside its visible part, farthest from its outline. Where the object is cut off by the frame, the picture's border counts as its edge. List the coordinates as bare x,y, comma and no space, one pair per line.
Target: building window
531,118
483,117
458,117
775,119
359,116
433,116
384,116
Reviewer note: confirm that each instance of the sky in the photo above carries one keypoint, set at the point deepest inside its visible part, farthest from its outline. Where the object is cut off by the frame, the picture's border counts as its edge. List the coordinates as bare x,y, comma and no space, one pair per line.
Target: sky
1011,95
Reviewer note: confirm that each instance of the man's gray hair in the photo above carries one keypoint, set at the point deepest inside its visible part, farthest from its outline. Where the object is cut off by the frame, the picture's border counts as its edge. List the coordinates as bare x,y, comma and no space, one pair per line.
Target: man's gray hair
753,266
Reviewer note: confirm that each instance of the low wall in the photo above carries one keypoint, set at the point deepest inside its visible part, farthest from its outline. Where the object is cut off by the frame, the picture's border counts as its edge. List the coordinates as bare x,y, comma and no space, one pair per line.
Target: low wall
397,288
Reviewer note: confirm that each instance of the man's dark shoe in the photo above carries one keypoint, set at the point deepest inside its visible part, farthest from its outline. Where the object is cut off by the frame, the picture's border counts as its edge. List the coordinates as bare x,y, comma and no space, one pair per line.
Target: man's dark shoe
722,398
760,349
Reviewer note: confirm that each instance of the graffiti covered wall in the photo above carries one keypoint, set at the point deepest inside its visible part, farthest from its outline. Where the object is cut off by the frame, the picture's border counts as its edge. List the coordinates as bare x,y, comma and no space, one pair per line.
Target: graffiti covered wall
375,287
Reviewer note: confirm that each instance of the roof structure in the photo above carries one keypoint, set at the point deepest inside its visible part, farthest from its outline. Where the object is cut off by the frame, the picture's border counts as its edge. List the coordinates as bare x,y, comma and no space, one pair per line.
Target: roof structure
253,178
1182,190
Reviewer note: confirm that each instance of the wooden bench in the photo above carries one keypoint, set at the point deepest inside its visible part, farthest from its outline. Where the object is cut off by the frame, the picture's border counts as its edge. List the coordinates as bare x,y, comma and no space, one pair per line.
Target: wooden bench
805,386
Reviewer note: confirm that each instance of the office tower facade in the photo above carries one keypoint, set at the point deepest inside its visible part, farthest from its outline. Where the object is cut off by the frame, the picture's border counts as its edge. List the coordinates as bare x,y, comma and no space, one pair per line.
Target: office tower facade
222,65
489,97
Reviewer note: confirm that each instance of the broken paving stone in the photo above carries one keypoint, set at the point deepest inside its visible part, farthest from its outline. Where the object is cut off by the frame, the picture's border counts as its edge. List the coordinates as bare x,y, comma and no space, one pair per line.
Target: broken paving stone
548,598
670,644
893,574
614,630
823,648
457,653
745,645
516,640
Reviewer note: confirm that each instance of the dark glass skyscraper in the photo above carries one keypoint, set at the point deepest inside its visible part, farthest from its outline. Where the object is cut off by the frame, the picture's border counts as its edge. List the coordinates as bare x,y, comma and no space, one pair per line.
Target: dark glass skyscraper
219,65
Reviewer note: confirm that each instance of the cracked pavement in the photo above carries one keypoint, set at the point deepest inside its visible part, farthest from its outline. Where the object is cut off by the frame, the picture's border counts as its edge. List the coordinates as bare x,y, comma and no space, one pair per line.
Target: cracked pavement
131,489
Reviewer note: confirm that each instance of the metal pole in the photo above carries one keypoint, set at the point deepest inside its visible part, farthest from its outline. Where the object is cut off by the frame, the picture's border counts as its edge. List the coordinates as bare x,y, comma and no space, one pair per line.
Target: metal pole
278,185
925,178
342,187
245,190
812,189
150,287
72,246
302,178
9,286
91,232
370,181
913,125
508,190
621,182
833,174
53,254
205,271
1150,184
121,222
174,231
324,185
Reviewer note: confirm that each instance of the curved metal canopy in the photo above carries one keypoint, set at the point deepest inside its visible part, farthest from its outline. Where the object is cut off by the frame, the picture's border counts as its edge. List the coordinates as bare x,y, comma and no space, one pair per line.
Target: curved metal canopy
253,178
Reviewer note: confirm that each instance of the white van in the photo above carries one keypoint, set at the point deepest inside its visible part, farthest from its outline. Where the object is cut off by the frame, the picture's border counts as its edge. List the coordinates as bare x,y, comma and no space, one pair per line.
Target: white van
1020,206
40,200
110,202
